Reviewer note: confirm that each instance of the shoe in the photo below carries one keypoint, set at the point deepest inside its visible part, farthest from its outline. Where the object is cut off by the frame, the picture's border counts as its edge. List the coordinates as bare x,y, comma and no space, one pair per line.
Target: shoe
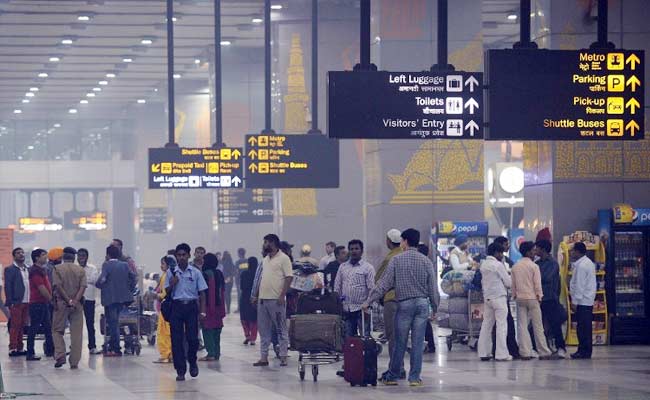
417,383
579,356
59,363
430,349
486,358
389,382
180,378
162,361
194,371
534,354
509,358
94,351
33,358
246,341
207,358
402,375
283,361
341,373
251,343
112,354
522,358
14,353
74,367
261,364
561,353
551,357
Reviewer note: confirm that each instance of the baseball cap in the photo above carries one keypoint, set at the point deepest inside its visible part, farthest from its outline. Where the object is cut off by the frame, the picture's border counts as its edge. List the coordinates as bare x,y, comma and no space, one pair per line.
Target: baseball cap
394,235
306,248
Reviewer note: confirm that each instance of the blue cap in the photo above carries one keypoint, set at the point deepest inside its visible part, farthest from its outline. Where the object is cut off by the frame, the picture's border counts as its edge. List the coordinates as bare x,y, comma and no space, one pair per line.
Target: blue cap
460,240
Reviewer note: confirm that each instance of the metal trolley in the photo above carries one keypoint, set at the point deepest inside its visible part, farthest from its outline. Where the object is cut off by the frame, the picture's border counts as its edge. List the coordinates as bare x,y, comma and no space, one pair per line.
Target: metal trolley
314,359
470,335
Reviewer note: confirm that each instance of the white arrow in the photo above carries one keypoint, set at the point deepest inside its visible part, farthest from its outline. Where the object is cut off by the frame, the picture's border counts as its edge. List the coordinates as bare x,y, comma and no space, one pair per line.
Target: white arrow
471,82
472,104
472,126
236,181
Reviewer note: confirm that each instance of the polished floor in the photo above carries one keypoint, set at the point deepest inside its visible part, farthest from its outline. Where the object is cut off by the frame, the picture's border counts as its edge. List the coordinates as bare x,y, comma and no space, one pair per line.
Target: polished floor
613,373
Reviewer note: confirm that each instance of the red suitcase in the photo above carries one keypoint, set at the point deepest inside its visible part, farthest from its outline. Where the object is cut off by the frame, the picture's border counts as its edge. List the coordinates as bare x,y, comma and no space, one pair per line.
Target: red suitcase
360,358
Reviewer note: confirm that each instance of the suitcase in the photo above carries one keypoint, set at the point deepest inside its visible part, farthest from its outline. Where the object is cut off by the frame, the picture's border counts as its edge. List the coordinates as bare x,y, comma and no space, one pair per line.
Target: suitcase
320,302
316,332
360,358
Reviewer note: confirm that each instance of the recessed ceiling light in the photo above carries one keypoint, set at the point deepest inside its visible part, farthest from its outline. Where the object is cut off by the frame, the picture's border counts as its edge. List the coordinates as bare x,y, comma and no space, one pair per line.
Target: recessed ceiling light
33,89
177,76
25,101
84,101
127,59
257,20
110,75
29,94
97,89
72,111
67,41
146,41
197,61
103,83
30,147
90,94
57,125
83,17
141,101
43,75
155,89
276,7
226,42
55,59
512,17
18,111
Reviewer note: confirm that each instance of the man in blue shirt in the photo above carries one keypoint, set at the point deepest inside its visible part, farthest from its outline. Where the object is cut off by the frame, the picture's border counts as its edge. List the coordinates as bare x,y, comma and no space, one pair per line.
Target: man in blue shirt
187,287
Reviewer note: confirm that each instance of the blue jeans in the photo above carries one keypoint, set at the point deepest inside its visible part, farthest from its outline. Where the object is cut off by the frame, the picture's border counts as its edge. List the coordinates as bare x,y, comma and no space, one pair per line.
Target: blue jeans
352,322
412,315
113,326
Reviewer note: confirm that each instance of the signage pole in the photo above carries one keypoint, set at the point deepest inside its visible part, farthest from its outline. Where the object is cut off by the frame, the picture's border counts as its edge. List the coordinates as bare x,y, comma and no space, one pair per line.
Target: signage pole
524,27
171,125
364,39
218,111
603,17
443,39
267,68
314,68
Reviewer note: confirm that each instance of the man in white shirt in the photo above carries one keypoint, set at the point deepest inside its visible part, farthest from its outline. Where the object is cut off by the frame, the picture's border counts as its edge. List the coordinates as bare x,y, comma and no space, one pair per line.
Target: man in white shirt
583,294
90,297
495,281
329,257
459,258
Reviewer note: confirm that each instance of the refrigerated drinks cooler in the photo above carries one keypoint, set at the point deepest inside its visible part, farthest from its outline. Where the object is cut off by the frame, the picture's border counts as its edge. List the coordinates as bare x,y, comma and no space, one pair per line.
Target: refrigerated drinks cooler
443,234
626,232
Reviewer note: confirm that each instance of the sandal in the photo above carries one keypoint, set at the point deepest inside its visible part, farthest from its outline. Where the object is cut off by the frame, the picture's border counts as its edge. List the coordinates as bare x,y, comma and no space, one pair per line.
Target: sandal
261,364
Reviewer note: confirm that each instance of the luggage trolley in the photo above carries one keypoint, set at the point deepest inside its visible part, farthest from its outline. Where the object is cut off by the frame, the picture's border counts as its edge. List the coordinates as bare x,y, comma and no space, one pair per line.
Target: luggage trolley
314,359
470,335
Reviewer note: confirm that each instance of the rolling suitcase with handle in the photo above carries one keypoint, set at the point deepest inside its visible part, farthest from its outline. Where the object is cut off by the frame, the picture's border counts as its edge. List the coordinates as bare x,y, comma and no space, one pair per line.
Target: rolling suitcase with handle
360,358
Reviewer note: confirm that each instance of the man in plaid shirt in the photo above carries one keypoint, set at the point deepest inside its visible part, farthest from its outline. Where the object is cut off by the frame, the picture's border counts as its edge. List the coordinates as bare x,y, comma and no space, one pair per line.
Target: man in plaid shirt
411,274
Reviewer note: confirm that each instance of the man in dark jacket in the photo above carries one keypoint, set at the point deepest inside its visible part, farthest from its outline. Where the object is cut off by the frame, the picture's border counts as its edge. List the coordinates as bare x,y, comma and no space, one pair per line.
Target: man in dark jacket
17,295
117,283
552,310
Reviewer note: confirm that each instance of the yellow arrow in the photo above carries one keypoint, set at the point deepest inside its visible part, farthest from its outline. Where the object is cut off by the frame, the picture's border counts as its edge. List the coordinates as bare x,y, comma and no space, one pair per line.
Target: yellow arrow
155,168
252,154
252,140
634,82
252,168
236,154
633,60
632,126
633,105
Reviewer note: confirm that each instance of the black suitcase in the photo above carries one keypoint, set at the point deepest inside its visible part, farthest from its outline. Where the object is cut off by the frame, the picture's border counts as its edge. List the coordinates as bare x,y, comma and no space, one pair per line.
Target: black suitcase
320,302
360,358
316,332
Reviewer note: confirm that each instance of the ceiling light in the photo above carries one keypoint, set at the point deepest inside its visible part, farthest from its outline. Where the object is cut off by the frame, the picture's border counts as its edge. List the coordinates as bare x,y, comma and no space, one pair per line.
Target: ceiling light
90,94
55,59
33,89
18,111
512,17
43,75
177,76
29,94
57,125
155,89
110,75
97,89
30,147
141,101
146,41
197,61
25,101
257,20
226,42
103,83
67,41
72,111
84,101
83,17
276,7
127,59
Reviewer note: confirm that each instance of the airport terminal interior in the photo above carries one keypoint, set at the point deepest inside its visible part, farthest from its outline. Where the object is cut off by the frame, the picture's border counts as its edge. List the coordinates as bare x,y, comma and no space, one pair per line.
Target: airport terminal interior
302,193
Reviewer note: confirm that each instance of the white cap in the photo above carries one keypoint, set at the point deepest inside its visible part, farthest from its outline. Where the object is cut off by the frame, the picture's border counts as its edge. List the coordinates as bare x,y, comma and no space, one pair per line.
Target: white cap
394,235
306,248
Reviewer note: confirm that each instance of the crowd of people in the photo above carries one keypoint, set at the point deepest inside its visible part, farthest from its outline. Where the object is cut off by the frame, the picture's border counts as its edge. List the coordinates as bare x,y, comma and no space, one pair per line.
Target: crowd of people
193,296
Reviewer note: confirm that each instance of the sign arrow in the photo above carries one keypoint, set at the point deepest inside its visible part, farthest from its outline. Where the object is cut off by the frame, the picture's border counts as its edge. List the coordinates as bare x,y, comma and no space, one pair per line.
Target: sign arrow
633,60
252,140
472,104
632,126
236,181
252,168
155,168
471,82
236,154
472,126
252,154
634,82
633,105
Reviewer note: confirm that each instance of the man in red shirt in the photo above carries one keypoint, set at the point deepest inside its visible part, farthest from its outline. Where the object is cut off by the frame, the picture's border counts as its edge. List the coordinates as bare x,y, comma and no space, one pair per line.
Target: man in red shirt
40,296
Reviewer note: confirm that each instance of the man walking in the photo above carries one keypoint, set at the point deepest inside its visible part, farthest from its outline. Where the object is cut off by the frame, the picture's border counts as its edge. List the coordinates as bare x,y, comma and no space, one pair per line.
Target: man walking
117,283
583,294
187,287
40,296
527,291
90,296
393,240
552,310
275,281
69,282
412,276
17,299
328,257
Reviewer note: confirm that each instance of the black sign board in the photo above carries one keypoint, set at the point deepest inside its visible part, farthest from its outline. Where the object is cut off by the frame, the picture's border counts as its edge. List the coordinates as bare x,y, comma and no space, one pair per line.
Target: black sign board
153,220
405,105
565,94
195,168
238,206
292,161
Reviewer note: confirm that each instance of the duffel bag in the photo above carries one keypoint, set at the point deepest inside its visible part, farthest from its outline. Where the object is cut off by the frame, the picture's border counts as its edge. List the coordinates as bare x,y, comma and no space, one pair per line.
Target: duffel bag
316,332
319,302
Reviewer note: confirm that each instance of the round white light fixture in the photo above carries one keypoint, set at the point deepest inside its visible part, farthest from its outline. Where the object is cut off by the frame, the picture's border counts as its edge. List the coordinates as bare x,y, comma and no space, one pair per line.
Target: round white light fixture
225,42
72,111
142,101
177,76
110,75
103,83
512,17
146,41
90,94
276,7
33,89
97,89
127,59
511,180
43,75
83,18
257,20
67,41
25,101
18,111
197,61
54,59
29,94
84,101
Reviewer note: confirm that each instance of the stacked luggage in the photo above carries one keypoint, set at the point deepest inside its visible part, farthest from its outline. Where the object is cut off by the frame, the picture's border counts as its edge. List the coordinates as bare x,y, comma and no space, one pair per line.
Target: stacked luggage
462,311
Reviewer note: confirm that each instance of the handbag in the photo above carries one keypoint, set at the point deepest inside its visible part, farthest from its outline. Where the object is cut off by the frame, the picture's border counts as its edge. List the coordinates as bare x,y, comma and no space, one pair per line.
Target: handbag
166,304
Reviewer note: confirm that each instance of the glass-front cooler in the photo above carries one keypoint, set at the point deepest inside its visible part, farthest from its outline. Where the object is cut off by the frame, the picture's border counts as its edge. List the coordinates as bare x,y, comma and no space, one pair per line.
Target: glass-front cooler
629,274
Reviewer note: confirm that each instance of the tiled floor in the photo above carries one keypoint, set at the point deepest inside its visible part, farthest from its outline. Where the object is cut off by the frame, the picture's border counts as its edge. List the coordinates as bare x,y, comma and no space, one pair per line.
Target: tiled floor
614,373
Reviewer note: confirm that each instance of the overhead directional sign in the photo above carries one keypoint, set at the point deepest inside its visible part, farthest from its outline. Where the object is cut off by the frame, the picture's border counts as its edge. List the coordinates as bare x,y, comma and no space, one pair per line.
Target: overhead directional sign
153,220
565,95
291,161
195,168
88,221
405,105
237,206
